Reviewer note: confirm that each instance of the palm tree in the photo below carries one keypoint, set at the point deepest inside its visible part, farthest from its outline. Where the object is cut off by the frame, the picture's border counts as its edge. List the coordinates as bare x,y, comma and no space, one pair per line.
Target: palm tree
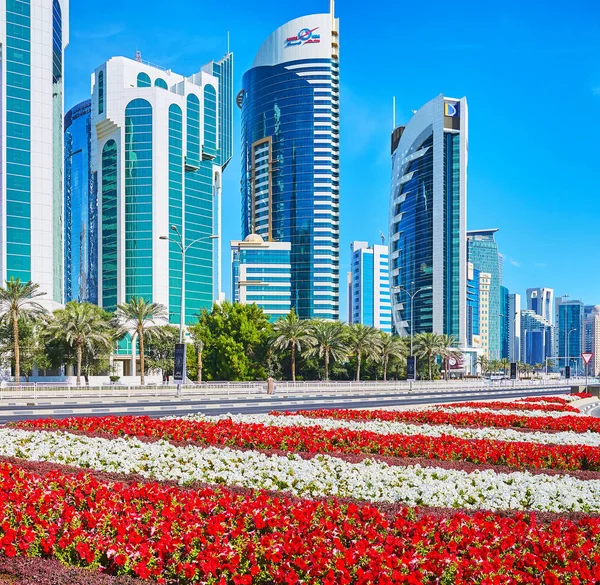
484,363
495,365
364,342
17,302
139,317
391,347
429,346
449,350
505,364
330,342
294,334
82,326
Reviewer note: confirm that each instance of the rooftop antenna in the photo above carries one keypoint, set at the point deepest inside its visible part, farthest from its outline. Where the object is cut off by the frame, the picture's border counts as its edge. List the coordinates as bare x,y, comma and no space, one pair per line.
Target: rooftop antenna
332,8
382,237
393,112
138,56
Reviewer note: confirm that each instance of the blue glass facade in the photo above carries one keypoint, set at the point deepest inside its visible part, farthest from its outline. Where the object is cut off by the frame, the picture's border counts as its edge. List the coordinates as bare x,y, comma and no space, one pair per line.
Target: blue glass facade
504,317
570,320
292,108
472,306
483,254
81,208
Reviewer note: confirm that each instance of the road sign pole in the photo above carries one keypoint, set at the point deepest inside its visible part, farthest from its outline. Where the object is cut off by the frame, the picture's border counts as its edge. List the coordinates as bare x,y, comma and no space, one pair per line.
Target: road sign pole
587,358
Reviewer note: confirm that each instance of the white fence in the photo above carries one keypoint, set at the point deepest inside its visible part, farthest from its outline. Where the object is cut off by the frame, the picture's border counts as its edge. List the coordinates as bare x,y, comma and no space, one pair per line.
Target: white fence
213,390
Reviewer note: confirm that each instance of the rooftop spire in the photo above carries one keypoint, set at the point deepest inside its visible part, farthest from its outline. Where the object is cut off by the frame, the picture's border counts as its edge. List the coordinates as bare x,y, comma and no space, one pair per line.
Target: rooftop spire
332,8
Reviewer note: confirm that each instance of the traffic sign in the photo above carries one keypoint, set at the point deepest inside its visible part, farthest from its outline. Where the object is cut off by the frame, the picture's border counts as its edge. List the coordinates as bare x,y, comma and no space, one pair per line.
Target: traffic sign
587,357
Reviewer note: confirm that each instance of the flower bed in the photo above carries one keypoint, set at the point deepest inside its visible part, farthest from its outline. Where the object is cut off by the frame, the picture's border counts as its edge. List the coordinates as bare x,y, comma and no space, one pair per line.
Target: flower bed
578,424
314,439
498,405
219,537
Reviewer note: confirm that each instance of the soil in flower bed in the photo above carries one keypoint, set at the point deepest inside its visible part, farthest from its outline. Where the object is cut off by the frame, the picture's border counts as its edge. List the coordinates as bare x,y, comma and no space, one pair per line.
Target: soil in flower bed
37,571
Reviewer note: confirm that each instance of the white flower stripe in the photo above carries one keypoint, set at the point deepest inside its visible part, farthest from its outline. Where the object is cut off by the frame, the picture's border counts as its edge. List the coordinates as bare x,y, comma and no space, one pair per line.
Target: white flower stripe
541,413
320,476
392,428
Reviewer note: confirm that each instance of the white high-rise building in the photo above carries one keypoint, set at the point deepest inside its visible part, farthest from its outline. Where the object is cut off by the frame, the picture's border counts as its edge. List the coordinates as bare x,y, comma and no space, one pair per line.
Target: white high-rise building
33,36
592,338
541,302
159,144
369,301
428,220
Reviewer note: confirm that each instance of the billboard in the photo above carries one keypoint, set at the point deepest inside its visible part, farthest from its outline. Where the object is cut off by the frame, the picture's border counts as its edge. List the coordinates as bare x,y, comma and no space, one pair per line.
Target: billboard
179,366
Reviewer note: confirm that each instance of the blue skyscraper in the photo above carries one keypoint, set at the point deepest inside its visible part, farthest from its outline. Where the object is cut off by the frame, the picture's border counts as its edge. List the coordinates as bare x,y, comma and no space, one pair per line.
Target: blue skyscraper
81,208
473,291
369,299
290,156
504,319
570,333
483,253
428,220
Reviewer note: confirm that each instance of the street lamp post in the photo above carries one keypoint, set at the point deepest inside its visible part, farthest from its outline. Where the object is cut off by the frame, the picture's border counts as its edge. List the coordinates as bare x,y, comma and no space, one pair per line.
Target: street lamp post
567,347
181,244
412,296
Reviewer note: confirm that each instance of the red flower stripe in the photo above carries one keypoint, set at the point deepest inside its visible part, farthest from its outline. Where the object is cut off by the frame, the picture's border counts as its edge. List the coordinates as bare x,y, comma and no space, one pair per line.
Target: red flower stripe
578,424
497,405
318,440
217,536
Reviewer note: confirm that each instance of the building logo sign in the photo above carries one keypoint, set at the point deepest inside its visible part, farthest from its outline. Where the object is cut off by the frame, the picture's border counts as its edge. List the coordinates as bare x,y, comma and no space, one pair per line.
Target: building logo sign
304,37
452,109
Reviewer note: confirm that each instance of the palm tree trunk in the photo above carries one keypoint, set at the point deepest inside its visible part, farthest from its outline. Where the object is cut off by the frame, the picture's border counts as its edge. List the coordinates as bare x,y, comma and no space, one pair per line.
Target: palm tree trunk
326,365
293,362
358,369
200,366
430,375
385,364
141,341
79,360
16,349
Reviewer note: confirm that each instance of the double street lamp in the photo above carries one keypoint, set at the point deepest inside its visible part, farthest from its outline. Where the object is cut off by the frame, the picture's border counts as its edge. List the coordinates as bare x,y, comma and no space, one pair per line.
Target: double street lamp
184,248
411,295
567,340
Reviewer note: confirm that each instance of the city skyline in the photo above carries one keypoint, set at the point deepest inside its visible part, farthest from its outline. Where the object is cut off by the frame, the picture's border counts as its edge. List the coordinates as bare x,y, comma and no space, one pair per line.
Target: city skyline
490,49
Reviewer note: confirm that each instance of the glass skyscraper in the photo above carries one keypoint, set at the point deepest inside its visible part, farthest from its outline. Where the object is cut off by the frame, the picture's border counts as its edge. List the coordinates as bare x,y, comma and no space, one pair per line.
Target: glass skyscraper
369,299
160,142
261,275
428,219
290,156
504,318
483,253
570,333
33,36
81,208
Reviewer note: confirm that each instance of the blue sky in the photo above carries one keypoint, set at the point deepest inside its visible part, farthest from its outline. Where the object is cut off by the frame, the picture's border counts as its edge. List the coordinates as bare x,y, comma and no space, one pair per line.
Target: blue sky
530,71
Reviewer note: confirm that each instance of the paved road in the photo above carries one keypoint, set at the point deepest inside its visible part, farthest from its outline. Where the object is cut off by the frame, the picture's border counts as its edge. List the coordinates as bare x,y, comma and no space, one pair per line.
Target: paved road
256,403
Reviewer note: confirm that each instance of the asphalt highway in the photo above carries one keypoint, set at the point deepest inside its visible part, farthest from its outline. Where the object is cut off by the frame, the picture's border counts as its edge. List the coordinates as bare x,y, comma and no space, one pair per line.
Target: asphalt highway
258,403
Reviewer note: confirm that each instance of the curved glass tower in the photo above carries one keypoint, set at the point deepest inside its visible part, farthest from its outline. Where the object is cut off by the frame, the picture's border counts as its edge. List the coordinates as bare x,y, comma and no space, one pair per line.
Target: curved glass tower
81,208
290,156
428,256
33,37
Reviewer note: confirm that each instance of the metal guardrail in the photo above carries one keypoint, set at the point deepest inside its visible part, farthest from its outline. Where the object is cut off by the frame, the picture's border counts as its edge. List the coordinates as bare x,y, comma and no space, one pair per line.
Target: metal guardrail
39,390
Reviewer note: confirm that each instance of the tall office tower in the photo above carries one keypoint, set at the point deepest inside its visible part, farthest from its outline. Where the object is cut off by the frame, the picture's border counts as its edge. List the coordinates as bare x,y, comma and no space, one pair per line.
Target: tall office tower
349,295
541,301
485,280
81,208
570,331
592,338
290,155
536,338
261,274
504,318
33,36
473,302
514,327
160,142
483,253
428,208
370,293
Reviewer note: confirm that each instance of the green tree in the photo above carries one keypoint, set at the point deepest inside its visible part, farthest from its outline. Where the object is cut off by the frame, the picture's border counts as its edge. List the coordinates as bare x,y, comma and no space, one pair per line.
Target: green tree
139,317
17,301
429,346
505,365
83,327
160,348
330,342
484,363
392,347
236,341
32,348
364,342
293,334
